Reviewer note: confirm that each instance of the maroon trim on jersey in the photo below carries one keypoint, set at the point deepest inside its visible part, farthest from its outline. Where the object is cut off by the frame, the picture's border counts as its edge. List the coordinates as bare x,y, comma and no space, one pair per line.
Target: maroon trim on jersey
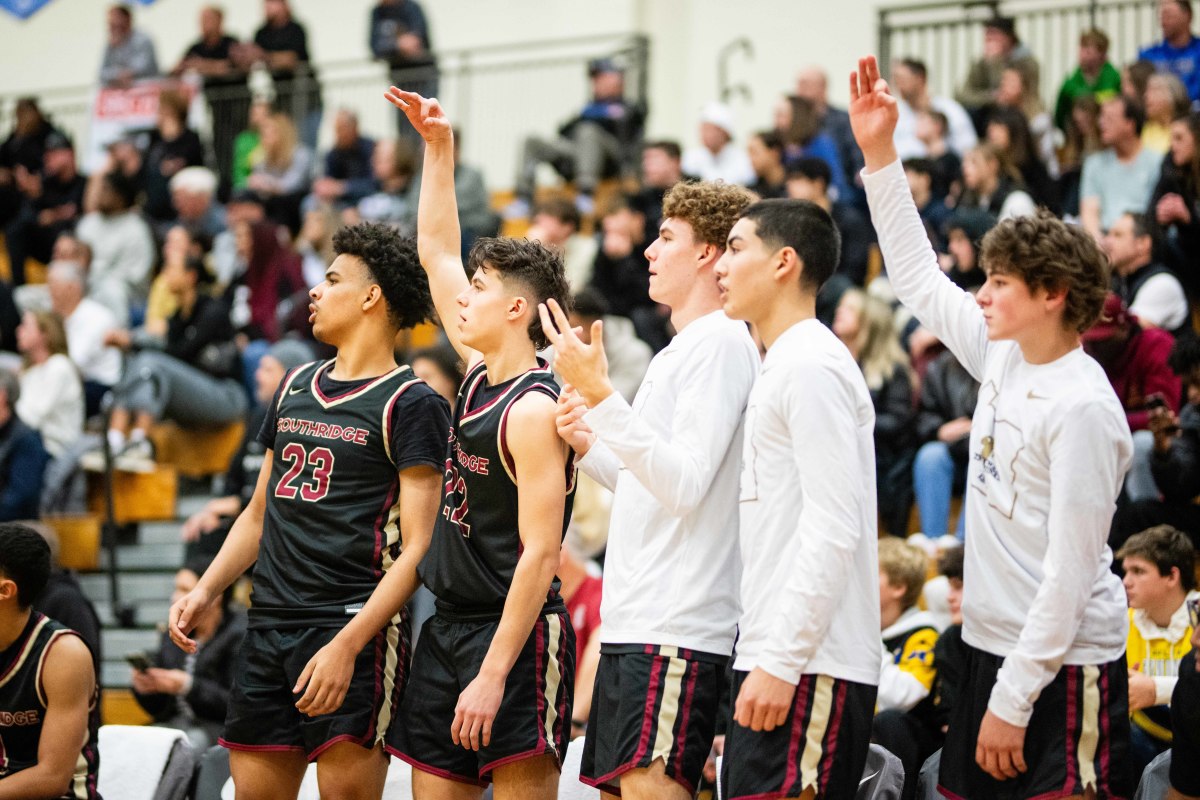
327,401
510,463
34,627
345,737
389,502
539,638
432,770
38,685
799,725
830,746
681,736
1105,755
260,748
469,414
486,770
563,712
387,417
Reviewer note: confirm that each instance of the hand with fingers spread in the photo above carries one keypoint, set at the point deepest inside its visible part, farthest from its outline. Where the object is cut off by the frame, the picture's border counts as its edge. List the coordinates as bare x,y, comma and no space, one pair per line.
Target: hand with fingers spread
569,420
476,710
325,679
873,114
183,615
424,113
581,364
764,701
1000,748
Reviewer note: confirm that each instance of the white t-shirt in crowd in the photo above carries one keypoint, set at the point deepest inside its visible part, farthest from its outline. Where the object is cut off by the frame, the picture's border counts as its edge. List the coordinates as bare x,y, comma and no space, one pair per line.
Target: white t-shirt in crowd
86,328
51,402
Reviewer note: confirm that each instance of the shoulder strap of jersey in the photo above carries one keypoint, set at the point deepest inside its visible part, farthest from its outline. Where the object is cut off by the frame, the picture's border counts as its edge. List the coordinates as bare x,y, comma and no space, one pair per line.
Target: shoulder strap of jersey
506,456
55,635
290,378
25,647
407,380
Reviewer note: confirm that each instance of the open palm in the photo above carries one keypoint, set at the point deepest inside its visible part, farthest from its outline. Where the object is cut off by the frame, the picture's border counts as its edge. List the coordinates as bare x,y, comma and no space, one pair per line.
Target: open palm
424,114
873,110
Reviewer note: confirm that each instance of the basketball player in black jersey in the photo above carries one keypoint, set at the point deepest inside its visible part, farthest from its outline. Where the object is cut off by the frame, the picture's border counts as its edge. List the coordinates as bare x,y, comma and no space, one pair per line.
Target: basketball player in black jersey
492,678
341,517
48,709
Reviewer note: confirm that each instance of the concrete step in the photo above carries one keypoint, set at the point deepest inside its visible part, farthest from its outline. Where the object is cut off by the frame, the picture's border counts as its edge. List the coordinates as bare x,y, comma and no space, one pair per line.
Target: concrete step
146,557
131,587
117,642
115,674
159,532
147,613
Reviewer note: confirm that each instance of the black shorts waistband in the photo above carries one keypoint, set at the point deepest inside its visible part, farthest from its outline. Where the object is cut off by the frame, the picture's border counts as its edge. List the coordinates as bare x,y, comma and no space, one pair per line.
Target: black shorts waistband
453,613
672,651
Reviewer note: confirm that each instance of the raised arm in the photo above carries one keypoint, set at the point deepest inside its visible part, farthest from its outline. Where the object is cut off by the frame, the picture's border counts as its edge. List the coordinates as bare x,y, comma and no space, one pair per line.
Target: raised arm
439,237
952,314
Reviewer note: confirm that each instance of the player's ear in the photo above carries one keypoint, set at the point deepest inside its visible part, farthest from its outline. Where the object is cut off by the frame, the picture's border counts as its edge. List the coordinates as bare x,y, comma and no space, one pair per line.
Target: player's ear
374,295
517,305
8,589
787,265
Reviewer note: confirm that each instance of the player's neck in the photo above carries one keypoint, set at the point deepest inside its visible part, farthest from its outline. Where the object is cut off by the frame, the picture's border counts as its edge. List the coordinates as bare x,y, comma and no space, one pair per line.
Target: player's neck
704,299
1046,346
12,622
509,361
783,313
368,354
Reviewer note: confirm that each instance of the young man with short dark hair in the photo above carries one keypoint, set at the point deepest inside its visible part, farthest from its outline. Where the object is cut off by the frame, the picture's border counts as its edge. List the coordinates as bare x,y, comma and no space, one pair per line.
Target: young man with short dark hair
1160,575
48,689
493,675
808,651
341,517
1045,707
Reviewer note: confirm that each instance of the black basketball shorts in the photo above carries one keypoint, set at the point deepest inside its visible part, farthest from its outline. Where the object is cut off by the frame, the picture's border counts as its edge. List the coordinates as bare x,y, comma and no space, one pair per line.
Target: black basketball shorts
822,744
262,709
535,712
652,702
1078,736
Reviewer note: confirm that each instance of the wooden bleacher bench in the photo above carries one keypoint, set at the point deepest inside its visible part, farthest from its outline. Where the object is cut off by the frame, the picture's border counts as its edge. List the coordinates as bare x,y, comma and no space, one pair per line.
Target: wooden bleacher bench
137,497
118,707
78,540
197,453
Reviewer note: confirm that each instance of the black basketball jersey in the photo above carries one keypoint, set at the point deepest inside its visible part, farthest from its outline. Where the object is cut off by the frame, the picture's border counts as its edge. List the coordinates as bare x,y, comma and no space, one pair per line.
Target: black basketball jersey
23,707
331,527
476,542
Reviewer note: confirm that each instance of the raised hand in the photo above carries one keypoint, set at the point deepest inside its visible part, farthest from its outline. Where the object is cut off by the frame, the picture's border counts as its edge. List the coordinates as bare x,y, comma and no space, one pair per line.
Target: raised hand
873,114
424,114
583,365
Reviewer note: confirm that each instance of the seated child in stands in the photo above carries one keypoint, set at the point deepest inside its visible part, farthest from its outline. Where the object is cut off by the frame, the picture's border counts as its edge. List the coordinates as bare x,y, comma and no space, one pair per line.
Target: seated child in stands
905,716
1159,566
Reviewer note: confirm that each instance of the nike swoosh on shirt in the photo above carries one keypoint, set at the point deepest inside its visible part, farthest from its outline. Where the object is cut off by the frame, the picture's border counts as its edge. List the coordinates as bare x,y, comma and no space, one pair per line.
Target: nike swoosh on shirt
1032,396
864,780
295,390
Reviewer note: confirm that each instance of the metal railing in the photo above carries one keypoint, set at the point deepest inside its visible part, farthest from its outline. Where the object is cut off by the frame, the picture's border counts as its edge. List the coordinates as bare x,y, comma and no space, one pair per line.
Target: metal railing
948,36
495,95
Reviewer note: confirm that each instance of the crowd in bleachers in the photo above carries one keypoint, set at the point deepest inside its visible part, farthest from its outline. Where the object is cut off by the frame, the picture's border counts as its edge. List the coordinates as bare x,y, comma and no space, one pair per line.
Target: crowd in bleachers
171,284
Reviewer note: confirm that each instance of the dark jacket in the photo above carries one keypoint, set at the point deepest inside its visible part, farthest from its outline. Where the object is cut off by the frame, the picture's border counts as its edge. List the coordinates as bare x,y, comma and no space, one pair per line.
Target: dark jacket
212,676
23,462
947,393
1177,471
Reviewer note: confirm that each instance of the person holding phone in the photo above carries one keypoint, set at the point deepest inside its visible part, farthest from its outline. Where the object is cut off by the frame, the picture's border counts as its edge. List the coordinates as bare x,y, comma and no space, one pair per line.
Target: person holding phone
191,691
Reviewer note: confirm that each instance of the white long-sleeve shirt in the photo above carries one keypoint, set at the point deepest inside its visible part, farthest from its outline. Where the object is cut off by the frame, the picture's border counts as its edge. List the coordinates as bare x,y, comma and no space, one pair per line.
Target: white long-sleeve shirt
670,572
51,402
1049,451
810,571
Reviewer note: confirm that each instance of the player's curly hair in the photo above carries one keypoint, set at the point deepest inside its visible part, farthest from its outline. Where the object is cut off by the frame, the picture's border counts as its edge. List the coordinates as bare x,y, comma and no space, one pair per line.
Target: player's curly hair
392,261
710,207
1049,254
531,269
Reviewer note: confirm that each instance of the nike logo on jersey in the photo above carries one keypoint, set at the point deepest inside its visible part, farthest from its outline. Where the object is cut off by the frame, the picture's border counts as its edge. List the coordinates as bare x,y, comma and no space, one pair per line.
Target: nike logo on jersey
295,390
1032,396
